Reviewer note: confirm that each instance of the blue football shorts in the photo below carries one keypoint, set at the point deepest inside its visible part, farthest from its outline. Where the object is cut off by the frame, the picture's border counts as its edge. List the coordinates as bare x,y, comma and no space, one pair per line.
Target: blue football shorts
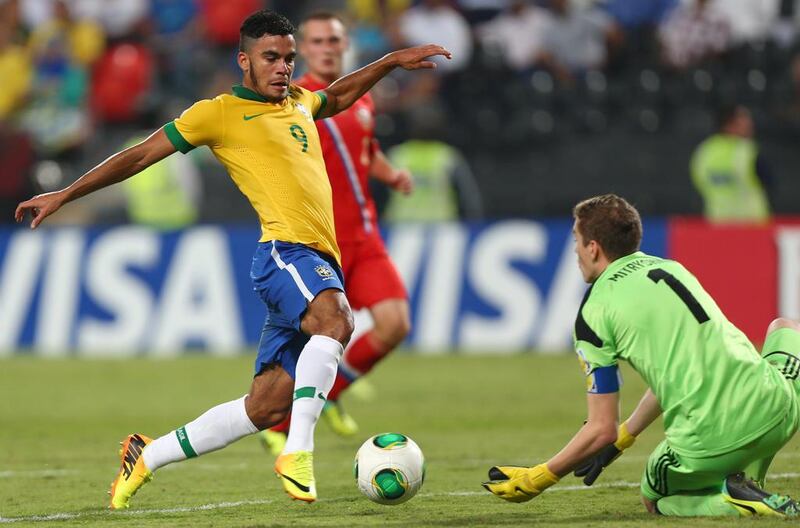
287,276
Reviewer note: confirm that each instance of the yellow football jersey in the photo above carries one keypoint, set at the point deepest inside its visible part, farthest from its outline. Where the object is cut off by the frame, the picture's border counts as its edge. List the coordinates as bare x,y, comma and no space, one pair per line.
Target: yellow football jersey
272,152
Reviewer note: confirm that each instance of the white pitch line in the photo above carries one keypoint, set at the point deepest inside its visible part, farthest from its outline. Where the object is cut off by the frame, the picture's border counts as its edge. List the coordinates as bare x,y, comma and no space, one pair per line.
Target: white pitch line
62,516
38,473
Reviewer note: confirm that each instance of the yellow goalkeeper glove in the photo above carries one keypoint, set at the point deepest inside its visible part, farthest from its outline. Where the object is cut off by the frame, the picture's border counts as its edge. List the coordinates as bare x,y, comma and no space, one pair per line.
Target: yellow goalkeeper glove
592,468
518,484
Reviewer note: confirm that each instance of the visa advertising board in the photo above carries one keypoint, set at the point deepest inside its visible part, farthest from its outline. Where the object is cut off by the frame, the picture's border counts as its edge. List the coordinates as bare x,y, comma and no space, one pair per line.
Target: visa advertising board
495,287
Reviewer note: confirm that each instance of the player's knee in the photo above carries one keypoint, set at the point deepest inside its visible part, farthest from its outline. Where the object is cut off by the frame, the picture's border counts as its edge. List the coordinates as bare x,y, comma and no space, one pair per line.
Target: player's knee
782,322
339,326
392,327
329,315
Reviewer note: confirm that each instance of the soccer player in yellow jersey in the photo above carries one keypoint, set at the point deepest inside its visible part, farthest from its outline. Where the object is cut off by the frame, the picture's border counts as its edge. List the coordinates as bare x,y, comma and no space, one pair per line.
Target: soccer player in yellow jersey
265,136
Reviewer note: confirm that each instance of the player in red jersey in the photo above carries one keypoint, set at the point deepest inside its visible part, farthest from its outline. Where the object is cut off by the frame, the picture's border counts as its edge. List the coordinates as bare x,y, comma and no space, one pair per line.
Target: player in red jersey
352,156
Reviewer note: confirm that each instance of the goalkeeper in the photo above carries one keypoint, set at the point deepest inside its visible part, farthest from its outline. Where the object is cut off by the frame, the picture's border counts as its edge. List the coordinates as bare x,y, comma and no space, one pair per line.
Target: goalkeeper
727,410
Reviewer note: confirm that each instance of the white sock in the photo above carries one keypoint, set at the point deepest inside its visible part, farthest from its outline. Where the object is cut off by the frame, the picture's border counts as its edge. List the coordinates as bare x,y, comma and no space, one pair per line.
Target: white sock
314,377
212,430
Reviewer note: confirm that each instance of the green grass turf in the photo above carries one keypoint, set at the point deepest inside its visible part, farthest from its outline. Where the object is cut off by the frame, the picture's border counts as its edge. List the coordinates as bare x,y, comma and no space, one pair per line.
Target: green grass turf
60,421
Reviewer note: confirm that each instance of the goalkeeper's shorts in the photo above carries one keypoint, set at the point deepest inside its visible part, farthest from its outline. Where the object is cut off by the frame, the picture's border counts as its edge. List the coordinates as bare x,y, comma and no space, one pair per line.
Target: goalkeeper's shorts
668,473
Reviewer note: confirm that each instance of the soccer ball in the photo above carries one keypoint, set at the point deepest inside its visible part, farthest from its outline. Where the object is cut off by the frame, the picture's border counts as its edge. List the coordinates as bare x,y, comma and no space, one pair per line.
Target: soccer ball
389,468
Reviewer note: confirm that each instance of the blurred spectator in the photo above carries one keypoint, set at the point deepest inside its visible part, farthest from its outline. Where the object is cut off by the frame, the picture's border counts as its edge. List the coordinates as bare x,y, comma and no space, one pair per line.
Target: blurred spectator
694,32
444,188
118,18
437,21
222,19
121,82
372,21
480,11
377,13
56,117
172,16
577,40
16,153
729,172
166,195
518,32
749,21
84,40
16,70
784,29
632,15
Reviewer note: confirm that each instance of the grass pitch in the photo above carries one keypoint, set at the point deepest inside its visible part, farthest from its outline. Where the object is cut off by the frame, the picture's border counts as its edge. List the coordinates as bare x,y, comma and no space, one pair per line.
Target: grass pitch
60,421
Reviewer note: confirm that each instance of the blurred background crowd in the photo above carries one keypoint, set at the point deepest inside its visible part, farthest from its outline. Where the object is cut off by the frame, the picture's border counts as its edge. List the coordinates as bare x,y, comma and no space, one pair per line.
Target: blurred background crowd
544,102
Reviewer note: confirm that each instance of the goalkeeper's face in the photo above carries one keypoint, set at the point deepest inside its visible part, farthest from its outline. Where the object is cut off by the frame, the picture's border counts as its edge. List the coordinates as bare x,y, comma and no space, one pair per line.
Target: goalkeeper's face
268,65
588,255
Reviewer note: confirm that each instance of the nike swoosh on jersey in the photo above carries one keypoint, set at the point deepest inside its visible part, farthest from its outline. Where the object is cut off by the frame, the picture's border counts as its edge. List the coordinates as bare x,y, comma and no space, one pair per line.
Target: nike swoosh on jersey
249,117
293,481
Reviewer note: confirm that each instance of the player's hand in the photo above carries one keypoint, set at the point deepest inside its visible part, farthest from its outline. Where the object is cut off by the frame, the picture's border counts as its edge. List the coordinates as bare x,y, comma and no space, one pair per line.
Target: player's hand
519,484
402,181
40,206
414,58
592,468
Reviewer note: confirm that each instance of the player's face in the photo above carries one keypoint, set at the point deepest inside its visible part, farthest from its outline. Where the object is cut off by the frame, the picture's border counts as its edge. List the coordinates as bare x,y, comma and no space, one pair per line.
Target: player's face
587,255
269,64
323,46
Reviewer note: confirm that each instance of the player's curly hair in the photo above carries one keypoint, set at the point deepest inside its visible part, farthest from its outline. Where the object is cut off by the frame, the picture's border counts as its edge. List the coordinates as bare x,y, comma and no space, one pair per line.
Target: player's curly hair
610,221
260,23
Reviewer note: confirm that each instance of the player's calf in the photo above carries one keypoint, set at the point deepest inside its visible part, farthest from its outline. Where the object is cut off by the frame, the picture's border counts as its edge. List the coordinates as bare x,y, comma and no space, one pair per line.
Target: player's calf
270,398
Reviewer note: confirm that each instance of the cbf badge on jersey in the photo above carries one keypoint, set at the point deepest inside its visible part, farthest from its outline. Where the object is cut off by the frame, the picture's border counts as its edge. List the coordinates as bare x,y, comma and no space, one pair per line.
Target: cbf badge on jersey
324,271
600,380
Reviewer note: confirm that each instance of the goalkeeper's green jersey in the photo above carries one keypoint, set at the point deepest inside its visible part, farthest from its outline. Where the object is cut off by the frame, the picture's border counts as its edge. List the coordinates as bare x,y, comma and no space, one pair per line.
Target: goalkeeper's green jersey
716,391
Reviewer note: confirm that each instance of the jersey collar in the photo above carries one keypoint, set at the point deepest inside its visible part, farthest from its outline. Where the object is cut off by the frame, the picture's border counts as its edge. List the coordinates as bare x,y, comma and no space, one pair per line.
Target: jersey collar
614,266
246,93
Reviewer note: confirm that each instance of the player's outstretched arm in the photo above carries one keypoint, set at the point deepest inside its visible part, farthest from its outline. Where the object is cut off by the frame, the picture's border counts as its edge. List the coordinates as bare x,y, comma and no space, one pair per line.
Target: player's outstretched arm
118,167
346,91
645,413
516,484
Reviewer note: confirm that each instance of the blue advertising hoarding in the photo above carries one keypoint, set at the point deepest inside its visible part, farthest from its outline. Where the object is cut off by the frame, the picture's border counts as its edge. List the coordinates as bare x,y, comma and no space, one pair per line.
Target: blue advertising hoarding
491,287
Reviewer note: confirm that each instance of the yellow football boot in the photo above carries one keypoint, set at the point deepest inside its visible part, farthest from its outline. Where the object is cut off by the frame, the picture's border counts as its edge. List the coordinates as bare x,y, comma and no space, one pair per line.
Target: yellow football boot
133,474
338,420
296,471
273,441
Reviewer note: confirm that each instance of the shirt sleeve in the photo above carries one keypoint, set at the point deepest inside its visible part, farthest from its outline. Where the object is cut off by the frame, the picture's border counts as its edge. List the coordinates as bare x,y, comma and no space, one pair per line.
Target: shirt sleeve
596,351
319,101
200,124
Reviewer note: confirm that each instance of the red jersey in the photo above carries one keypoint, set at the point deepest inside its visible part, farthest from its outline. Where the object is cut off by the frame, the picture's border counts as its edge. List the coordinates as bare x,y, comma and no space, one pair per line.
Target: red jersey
348,146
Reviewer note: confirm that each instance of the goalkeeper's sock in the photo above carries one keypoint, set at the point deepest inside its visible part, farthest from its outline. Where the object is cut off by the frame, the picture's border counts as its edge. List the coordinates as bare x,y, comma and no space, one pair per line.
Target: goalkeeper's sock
314,375
214,429
359,358
709,504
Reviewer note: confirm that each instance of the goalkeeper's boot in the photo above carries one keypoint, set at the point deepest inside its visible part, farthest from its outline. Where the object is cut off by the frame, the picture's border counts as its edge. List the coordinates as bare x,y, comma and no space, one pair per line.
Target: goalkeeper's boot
339,421
273,441
133,474
749,499
296,471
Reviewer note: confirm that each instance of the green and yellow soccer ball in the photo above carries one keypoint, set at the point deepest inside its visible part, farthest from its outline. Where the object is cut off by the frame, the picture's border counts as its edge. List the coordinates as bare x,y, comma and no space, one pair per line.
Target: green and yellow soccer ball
389,468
